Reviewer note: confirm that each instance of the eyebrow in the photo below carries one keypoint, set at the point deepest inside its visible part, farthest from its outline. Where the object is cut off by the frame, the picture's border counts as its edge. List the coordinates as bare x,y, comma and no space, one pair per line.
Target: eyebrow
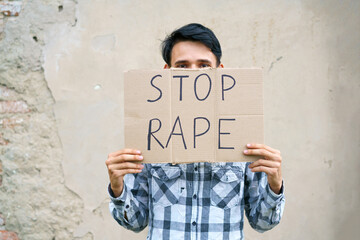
199,60
181,61
204,60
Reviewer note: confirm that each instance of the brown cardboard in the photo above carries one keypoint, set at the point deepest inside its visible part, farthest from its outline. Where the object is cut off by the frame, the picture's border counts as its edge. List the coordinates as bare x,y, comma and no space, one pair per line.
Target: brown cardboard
184,99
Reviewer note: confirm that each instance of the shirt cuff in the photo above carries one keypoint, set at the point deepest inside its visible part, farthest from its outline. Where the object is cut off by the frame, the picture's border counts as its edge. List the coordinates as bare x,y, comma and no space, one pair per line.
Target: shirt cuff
121,204
117,200
281,190
274,198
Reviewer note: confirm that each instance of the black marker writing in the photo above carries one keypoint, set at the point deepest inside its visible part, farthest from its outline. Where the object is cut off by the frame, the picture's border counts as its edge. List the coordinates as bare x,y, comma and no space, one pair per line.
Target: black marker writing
152,84
223,83
200,134
151,133
223,133
181,78
180,134
197,97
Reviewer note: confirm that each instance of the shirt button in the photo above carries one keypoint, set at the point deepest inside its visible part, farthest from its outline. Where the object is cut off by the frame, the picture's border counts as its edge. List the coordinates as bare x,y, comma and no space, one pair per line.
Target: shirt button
194,197
127,206
194,223
195,168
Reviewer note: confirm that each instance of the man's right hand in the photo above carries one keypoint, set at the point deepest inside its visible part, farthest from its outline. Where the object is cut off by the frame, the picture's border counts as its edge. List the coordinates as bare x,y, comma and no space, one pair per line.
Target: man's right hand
121,163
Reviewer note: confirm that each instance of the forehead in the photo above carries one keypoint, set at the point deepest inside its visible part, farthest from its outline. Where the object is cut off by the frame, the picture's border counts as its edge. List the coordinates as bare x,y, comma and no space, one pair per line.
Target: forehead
191,51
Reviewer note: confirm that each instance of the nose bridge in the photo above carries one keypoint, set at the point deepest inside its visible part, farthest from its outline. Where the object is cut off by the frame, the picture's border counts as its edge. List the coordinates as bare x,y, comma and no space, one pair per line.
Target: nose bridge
193,65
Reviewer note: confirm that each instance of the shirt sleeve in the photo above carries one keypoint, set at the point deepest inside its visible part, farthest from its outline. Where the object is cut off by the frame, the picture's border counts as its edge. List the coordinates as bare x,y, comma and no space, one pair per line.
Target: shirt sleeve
263,207
133,202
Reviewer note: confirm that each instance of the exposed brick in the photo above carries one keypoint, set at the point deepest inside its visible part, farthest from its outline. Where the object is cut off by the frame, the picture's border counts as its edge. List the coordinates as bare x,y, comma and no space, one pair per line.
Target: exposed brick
11,122
6,235
12,8
3,141
13,107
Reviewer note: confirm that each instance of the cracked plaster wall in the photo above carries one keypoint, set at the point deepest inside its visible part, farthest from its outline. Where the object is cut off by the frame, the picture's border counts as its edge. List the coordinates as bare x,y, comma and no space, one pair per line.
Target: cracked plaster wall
61,106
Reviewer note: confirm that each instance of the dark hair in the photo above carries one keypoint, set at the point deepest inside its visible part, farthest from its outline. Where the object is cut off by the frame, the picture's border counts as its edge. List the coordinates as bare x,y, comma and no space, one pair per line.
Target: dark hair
191,32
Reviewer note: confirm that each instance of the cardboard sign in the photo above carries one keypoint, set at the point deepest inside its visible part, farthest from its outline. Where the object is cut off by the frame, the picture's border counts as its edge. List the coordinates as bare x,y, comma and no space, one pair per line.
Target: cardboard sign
184,116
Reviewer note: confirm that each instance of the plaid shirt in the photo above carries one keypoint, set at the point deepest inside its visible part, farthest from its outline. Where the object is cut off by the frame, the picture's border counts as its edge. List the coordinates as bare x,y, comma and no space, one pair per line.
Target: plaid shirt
197,201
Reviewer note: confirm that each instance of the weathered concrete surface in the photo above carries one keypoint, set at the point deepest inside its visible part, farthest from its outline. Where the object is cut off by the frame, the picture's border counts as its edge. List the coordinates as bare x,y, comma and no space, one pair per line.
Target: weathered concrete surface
34,201
59,124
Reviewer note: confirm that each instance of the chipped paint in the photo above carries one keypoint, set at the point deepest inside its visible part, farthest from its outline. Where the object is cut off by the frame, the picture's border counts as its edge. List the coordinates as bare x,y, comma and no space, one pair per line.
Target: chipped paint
97,87
10,8
6,93
273,62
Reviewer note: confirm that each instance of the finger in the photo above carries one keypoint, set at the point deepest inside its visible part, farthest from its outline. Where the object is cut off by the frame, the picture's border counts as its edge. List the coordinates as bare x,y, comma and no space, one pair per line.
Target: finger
125,165
123,172
268,170
265,163
125,151
123,158
263,146
261,152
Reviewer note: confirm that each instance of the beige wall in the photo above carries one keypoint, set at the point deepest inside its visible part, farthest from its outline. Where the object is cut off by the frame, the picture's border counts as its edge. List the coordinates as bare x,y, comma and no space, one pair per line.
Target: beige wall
310,54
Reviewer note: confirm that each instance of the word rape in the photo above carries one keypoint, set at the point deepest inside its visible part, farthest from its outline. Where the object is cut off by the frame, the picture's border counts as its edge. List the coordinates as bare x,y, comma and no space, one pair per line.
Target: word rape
176,115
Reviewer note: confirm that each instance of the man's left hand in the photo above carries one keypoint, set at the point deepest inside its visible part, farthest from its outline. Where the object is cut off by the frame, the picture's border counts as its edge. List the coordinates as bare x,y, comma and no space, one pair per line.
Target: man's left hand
270,164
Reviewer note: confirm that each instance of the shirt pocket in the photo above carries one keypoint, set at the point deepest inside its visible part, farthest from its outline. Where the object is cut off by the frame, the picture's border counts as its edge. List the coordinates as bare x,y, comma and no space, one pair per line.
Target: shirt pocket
226,184
165,185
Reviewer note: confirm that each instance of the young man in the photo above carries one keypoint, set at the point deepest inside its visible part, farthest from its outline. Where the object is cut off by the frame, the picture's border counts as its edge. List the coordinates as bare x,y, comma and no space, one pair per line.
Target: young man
198,200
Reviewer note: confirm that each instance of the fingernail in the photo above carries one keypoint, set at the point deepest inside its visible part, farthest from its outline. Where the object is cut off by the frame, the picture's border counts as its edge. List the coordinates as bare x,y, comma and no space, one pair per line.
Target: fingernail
141,166
139,152
246,151
140,157
248,145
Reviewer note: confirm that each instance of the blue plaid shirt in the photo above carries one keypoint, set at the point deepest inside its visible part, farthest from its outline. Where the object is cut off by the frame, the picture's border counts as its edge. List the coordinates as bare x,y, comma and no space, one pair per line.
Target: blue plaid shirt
197,201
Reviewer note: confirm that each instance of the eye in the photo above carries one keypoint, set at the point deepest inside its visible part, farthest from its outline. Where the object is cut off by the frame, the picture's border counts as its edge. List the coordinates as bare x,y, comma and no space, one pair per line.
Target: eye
181,66
204,65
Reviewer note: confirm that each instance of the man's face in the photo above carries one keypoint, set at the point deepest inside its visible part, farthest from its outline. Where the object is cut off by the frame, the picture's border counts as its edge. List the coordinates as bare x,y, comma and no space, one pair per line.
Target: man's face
192,55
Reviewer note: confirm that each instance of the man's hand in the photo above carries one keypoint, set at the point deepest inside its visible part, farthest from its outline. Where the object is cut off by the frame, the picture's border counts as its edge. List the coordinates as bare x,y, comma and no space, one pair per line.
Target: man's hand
121,163
270,164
